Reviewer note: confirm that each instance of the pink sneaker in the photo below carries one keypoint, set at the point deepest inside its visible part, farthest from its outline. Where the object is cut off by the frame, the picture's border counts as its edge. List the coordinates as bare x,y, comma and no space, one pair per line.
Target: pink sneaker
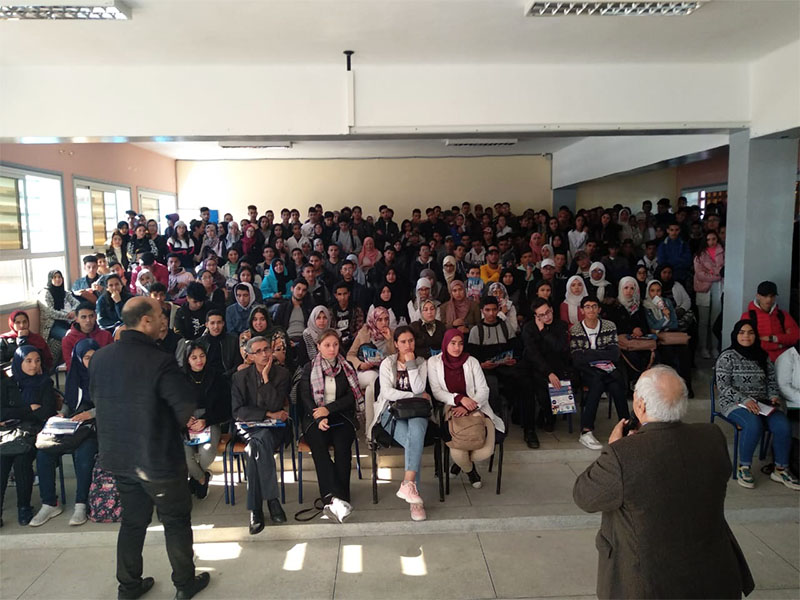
408,492
418,512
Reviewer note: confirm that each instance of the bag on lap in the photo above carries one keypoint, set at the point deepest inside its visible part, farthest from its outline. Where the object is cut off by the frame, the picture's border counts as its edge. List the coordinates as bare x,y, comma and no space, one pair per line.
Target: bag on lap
17,438
410,408
467,432
64,444
673,338
104,503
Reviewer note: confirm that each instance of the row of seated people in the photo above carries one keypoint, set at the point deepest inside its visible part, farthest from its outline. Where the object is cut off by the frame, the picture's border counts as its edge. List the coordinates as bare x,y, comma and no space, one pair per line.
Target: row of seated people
331,398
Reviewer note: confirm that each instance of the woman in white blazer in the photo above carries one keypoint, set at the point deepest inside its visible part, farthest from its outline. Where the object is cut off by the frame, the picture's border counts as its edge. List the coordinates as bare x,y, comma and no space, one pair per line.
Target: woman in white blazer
404,375
457,380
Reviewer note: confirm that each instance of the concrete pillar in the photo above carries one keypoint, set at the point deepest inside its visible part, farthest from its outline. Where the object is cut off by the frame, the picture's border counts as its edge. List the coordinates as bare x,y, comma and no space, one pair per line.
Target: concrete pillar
566,196
761,182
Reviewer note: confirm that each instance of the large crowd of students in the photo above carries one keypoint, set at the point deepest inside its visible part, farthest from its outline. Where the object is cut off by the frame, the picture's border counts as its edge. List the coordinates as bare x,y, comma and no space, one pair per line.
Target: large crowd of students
476,308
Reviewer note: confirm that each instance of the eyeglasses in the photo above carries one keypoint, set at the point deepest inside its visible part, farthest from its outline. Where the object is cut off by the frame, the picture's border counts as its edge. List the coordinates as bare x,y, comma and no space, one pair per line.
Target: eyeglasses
265,350
546,313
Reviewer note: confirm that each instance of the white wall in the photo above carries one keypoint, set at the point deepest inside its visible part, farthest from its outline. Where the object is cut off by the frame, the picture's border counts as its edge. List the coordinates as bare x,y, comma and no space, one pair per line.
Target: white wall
775,91
222,100
596,157
404,184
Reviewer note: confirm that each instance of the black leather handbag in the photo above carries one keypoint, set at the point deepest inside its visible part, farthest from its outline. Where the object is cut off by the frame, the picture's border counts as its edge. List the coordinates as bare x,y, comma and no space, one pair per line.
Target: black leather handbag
17,438
410,408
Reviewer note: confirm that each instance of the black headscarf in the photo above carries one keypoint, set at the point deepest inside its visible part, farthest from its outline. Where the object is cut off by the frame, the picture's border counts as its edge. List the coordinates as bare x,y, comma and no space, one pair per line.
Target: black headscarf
57,293
755,352
666,286
513,286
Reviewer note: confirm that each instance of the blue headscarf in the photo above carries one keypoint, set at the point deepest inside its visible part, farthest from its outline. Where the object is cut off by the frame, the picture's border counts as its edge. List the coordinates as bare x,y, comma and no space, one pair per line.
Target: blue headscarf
29,385
78,377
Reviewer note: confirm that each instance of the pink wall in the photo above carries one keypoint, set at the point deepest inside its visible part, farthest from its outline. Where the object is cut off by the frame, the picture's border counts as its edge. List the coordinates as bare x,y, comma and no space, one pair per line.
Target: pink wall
124,164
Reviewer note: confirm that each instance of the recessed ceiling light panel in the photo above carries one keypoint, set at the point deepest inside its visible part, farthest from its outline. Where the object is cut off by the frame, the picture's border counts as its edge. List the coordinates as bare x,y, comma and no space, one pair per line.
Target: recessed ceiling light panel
538,8
73,10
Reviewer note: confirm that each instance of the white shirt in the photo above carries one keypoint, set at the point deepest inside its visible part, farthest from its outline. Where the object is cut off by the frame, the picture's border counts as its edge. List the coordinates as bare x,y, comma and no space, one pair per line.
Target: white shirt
592,334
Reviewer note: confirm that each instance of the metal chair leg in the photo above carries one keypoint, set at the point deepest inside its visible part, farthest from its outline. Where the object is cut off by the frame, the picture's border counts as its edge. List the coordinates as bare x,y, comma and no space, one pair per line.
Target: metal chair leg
230,470
735,451
438,460
499,469
299,476
358,458
446,467
374,454
283,478
225,472
491,462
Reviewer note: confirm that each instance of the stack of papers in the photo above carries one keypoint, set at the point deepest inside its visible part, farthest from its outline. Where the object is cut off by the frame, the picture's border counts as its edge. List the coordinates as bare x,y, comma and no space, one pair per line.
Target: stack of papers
245,425
197,438
763,408
60,426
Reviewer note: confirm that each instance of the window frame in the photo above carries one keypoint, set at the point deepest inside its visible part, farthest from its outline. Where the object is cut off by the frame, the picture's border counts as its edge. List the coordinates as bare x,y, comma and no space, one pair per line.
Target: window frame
19,171
161,219
79,181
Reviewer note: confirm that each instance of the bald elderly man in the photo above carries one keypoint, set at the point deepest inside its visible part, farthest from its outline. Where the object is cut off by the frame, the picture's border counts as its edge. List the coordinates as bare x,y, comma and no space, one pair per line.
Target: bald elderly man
662,493
143,403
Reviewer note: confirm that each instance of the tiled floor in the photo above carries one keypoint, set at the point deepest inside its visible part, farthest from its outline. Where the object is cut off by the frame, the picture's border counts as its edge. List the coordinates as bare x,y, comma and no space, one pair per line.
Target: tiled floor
531,541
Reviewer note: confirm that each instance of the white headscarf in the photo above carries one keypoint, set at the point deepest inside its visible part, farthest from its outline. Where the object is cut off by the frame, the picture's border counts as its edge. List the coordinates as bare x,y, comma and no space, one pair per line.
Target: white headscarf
358,274
449,260
250,289
601,283
648,302
632,304
574,300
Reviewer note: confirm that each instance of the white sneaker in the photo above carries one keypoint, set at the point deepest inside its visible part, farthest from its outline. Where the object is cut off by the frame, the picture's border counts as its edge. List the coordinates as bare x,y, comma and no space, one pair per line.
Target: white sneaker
46,513
79,515
338,510
588,440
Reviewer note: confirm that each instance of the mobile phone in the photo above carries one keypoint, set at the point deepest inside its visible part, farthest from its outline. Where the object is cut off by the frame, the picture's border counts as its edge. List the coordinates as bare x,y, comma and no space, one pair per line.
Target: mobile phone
631,425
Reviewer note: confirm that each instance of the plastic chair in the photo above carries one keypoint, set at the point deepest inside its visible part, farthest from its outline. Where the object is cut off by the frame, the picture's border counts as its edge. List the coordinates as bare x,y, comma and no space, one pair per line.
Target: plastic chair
302,447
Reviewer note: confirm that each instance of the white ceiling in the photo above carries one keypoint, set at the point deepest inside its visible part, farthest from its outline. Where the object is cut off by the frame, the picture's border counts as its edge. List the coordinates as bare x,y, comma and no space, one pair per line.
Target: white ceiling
397,31
191,150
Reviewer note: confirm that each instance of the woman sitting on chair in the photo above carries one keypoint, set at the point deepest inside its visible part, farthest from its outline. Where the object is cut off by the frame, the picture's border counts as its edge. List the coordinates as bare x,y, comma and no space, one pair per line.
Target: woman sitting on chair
329,395
404,375
457,381
78,407
745,380
662,316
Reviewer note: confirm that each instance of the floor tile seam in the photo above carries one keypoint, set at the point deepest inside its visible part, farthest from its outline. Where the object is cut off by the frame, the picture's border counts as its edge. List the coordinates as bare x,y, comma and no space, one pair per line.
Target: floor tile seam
47,568
486,562
767,544
336,571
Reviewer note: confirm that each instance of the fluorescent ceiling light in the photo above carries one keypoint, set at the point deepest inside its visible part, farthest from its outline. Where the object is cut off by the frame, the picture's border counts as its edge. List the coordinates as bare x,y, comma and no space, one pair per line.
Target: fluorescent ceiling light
74,10
261,145
538,8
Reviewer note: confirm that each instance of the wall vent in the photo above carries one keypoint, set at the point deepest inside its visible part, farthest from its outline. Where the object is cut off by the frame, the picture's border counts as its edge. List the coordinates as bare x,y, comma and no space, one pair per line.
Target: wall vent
481,142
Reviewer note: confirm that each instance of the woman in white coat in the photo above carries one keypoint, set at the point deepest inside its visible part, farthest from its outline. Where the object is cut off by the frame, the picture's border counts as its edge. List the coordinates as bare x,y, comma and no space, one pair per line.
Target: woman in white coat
404,375
457,381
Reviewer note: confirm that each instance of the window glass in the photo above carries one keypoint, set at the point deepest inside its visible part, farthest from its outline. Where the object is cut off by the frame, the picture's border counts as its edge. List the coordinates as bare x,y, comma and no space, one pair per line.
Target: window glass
10,222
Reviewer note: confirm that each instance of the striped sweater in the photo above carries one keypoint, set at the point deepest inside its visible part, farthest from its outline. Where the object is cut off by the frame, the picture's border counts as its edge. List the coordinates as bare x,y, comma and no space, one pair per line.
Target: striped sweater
740,379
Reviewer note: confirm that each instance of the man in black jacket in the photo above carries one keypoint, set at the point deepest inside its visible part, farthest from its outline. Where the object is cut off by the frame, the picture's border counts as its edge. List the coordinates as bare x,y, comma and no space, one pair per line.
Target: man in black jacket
260,392
143,402
546,341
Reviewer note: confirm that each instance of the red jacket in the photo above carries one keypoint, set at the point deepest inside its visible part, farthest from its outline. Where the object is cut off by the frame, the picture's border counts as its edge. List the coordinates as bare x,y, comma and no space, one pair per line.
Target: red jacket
74,335
768,323
159,271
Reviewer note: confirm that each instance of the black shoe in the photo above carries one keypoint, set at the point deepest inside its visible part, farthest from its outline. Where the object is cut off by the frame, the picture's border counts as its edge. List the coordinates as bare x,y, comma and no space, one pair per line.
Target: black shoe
144,587
474,478
24,515
455,469
532,439
192,485
276,511
201,489
256,521
199,583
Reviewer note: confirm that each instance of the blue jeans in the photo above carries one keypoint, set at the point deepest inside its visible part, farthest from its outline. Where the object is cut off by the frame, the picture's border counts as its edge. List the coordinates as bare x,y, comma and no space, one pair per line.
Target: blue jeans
752,427
82,458
410,434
